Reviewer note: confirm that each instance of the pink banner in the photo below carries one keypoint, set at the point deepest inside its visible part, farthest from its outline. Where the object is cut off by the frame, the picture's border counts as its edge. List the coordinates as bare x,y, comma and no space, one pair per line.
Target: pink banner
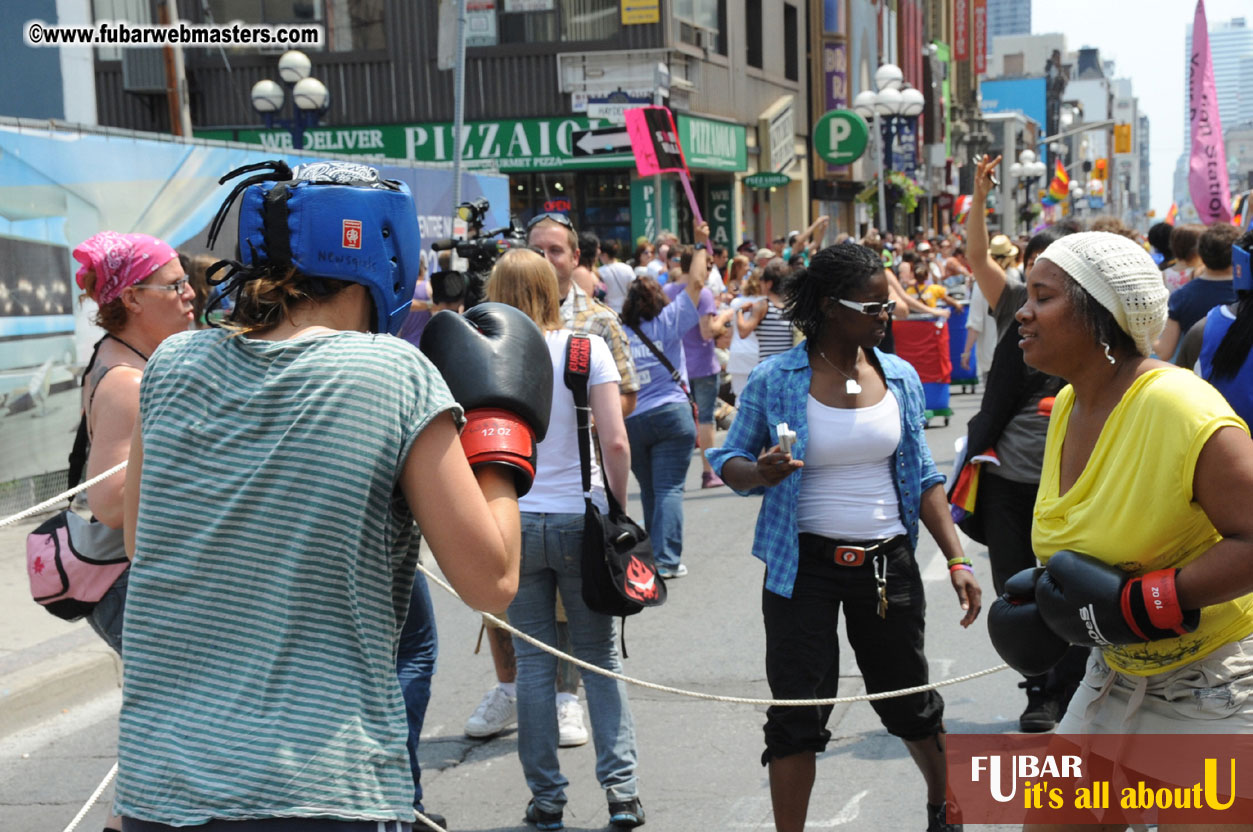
961,30
1207,175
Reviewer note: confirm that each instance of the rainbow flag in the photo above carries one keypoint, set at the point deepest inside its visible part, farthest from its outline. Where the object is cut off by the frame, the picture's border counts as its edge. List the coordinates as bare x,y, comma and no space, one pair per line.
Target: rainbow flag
1172,214
1059,188
962,207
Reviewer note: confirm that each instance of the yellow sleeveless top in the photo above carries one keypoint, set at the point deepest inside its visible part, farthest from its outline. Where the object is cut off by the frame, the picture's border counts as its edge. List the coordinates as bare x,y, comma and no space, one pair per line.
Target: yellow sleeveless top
1132,505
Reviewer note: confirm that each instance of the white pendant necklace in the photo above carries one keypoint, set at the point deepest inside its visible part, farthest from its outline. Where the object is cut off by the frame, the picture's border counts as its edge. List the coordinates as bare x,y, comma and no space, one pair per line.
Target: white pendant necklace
851,386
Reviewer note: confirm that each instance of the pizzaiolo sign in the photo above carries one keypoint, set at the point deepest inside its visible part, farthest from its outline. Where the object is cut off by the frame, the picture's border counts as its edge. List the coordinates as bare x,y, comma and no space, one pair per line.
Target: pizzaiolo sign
506,144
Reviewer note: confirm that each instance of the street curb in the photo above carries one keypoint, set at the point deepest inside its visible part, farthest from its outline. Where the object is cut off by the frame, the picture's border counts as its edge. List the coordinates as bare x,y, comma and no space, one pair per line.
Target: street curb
47,688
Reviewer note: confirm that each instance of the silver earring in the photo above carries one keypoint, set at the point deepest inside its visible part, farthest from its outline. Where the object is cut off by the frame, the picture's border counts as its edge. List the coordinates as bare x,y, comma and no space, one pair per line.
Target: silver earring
1108,357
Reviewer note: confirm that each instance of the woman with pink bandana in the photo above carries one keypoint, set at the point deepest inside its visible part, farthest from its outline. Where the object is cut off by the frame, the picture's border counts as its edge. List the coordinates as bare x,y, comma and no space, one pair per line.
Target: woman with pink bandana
143,298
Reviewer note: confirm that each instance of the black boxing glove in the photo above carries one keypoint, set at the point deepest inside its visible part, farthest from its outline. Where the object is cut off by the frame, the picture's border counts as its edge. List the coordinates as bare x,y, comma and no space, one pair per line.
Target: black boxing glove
1018,632
1090,603
498,368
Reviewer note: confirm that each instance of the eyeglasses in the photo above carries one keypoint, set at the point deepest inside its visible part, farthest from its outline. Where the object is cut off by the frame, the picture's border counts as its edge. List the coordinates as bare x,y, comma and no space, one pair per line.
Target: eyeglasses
178,286
560,219
874,310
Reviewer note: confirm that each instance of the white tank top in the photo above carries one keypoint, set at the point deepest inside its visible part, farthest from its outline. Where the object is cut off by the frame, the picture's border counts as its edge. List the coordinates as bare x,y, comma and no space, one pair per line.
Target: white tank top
846,484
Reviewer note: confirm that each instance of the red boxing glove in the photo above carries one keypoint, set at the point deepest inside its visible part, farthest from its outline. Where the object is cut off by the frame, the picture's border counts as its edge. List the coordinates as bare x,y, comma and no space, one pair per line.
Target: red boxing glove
495,436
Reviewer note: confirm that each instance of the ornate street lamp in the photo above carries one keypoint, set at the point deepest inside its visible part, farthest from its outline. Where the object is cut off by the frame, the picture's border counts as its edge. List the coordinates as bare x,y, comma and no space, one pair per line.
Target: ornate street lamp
1026,171
895,100
309,96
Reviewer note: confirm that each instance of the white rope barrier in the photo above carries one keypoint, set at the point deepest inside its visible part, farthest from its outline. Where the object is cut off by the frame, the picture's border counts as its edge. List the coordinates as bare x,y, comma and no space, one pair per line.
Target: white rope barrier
64,495
693,694
712,697
91,801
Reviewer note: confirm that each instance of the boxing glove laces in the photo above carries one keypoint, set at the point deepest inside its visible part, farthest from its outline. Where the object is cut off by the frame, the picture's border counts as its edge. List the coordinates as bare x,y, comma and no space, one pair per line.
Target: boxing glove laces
1089,602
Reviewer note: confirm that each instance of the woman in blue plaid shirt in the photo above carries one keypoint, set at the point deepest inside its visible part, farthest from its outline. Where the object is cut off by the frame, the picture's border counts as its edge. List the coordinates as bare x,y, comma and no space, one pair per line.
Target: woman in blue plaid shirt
839,524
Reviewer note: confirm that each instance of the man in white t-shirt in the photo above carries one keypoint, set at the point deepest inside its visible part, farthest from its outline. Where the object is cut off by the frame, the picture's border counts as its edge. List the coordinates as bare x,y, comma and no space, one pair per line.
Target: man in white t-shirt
615,274
716,282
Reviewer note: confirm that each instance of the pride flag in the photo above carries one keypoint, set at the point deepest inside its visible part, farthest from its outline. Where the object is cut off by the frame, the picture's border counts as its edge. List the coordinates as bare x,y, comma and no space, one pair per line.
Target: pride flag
962,207
1059,188
1172,214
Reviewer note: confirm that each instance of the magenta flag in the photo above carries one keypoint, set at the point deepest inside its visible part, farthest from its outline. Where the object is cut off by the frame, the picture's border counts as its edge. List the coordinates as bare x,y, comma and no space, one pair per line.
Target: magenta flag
1207,173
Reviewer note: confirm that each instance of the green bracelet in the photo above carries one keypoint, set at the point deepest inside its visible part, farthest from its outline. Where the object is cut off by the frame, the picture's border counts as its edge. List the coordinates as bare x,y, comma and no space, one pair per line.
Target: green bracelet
966,561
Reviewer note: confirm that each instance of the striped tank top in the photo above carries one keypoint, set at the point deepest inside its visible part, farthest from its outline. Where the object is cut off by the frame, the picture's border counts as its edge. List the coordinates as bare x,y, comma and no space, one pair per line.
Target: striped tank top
273,566
774,333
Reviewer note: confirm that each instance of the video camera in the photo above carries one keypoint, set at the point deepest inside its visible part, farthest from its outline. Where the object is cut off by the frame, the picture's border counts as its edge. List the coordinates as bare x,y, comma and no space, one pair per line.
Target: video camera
481,248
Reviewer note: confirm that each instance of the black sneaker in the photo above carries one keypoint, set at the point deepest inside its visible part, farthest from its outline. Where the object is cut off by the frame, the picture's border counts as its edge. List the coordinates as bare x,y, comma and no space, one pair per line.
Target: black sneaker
421,826
626,814
1041,713
936,819
544,821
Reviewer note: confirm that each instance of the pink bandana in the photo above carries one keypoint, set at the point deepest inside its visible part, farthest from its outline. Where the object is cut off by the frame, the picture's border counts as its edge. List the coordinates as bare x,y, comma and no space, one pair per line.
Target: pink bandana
119,260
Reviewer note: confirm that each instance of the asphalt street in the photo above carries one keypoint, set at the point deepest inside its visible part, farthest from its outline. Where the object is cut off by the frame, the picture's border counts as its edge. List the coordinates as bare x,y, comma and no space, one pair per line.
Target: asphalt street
699,761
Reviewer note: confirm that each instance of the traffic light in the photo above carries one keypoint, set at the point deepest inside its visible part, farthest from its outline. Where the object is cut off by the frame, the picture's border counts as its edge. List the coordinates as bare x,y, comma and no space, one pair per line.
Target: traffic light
1101,169
1122,138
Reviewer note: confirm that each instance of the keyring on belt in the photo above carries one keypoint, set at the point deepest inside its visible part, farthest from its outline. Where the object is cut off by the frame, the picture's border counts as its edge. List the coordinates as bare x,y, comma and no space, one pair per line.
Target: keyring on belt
880,565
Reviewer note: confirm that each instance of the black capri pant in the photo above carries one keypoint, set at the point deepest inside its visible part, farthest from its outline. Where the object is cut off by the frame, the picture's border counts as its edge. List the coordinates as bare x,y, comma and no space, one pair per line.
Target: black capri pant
802,646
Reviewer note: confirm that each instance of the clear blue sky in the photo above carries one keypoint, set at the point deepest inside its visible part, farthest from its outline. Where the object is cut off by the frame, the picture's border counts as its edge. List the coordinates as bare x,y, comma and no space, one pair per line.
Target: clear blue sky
1145,38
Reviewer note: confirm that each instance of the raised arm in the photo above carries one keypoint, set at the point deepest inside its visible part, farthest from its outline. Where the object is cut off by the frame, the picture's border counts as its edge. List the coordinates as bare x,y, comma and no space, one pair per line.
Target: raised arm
990,277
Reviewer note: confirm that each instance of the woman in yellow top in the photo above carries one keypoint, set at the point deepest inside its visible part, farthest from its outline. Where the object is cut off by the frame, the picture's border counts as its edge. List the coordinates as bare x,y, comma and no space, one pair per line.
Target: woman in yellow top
1142,516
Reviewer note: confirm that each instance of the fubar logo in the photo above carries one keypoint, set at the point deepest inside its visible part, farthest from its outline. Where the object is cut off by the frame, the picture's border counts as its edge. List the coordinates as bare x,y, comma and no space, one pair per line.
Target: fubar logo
352,234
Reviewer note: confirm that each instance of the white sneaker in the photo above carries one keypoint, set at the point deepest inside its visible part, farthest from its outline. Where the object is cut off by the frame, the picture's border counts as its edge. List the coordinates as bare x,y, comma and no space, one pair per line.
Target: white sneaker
495,713
570,728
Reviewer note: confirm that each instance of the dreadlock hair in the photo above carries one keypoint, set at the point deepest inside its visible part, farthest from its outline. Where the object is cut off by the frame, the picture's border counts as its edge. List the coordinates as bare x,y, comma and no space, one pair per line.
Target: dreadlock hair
1233,350
834,272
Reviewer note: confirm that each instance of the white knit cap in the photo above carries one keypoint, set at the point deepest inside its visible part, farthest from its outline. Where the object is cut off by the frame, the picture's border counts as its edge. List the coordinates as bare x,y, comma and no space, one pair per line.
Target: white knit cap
1121,276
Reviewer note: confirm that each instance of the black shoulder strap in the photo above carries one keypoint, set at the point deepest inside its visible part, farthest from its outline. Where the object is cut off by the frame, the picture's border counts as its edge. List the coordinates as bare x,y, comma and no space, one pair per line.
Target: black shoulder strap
578,371
78,454
665,362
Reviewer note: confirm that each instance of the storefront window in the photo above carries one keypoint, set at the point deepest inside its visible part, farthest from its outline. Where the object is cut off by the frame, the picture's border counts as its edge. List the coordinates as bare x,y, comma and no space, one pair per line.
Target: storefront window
536,21
607,206
350,25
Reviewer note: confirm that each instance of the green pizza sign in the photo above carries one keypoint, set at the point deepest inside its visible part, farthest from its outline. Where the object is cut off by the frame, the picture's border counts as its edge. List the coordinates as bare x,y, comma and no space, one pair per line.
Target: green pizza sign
840,137
767,180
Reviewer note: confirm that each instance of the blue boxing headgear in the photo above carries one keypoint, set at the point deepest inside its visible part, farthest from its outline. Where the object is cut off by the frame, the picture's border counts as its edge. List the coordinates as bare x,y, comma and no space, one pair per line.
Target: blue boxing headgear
336,220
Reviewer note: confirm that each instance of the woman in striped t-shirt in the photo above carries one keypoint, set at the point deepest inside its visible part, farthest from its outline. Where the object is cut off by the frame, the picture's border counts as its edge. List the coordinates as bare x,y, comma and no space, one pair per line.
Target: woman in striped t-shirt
768,323
274,479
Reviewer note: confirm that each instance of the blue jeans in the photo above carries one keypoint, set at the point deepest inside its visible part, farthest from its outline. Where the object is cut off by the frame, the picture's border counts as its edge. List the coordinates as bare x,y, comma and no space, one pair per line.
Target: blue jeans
552,547
661,449
415,665
107,616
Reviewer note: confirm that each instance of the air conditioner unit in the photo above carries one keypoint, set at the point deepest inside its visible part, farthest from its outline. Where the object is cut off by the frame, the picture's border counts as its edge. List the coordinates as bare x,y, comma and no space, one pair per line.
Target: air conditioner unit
143,71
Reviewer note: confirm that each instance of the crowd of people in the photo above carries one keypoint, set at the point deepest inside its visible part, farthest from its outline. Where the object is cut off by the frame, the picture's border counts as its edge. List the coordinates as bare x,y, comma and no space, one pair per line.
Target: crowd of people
1074,330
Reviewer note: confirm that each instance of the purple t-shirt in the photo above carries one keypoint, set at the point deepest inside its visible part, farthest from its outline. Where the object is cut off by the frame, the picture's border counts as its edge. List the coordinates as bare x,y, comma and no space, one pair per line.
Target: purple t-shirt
701,358
411,329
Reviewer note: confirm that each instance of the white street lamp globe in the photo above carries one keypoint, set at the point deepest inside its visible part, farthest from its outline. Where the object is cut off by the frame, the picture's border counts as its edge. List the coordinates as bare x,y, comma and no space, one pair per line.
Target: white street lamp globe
1038,169
913,101
311,94
888,77
1016,170
1077,193
1027,156
863,103
889,102
267,96
294,66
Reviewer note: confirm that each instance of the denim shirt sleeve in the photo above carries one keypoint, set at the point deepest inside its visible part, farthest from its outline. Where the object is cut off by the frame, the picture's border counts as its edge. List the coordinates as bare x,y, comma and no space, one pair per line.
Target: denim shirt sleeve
750,432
